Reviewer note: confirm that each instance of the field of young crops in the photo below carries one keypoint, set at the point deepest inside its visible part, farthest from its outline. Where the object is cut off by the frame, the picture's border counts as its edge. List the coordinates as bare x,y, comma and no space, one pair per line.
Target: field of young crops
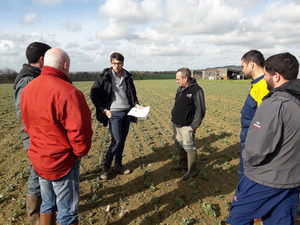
151,194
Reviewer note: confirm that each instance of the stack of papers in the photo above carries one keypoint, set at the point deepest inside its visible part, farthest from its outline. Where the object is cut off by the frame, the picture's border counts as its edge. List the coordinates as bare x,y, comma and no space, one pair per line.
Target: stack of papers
140,113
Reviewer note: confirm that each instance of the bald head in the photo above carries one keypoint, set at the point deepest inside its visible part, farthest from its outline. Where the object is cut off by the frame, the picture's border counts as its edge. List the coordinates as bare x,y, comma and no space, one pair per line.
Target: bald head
58,59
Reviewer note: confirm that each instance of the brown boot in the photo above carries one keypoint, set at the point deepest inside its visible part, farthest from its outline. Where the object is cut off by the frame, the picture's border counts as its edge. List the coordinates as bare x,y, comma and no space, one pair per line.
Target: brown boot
48,218
182,161
33,204
192,172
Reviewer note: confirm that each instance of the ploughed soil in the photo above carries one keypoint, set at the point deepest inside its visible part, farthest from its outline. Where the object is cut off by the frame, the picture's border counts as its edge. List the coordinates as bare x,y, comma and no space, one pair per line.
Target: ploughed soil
151,193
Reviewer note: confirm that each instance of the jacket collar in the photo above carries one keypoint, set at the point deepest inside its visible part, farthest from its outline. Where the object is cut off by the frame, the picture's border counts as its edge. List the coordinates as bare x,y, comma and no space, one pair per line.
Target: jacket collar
108,73
27,70
258,79
50,71
292,87
192,83
35,70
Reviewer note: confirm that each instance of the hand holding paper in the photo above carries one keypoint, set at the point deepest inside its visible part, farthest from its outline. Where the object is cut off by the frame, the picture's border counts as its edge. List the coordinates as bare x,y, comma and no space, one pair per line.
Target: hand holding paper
141,113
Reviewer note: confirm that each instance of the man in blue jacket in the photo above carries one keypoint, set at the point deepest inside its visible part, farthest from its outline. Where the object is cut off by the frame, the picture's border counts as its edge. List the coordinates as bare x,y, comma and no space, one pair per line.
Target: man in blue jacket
253,67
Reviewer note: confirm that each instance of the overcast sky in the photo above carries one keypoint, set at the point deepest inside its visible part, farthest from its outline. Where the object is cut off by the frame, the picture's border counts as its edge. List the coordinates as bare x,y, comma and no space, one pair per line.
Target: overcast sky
153,35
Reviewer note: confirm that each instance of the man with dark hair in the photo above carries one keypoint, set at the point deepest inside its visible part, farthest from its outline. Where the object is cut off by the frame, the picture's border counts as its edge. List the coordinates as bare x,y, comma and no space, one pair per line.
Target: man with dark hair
270,186
35,55
253,67
58,120
187,115
113,95
35,50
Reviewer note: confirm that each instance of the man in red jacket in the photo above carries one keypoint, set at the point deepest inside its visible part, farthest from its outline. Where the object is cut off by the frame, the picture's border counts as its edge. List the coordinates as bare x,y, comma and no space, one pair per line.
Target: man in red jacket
58,121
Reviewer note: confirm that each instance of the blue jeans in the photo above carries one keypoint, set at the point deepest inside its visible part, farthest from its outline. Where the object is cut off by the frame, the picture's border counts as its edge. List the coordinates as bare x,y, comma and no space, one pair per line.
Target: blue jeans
62,195
33,187
119,127
274,205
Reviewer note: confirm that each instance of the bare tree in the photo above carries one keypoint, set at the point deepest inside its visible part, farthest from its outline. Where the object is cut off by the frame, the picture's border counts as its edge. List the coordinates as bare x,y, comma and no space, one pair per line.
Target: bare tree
9,74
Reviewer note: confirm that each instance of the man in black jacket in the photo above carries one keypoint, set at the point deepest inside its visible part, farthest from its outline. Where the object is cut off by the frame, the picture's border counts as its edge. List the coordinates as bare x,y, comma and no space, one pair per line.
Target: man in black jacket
187,115
35,55
113,95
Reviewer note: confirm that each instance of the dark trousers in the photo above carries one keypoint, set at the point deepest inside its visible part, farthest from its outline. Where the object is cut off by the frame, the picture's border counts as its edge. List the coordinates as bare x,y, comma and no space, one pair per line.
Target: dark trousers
274,205
119,127
241,166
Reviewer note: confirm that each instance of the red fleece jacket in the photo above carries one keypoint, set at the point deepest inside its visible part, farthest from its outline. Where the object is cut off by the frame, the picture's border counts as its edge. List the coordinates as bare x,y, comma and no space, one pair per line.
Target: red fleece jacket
58,121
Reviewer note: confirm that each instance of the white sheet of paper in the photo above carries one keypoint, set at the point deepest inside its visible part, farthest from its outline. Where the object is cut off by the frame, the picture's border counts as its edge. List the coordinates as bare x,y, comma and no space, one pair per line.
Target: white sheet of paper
140,113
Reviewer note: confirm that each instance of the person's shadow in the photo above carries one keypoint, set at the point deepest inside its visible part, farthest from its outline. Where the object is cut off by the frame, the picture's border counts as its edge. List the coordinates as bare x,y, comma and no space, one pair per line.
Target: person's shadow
208,158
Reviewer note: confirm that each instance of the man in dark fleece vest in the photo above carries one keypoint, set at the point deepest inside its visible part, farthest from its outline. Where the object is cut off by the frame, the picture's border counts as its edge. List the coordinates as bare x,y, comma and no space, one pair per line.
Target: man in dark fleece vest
270,186
187,115
35,55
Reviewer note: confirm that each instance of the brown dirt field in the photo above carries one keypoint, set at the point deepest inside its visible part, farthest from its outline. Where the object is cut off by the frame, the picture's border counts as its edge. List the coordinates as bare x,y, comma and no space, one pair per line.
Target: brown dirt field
152,193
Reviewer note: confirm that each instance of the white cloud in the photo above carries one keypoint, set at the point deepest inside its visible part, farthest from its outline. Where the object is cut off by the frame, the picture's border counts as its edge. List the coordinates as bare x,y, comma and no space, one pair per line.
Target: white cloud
245,4
15,37
132,11
30,18
288,13
164,50
13,47
274,26
48,2
116,31
7,47
125,15
72,26
198,17
264,31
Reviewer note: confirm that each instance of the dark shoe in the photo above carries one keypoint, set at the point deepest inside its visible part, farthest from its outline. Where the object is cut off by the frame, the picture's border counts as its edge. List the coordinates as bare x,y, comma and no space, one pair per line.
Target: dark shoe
192,171
104,173
121,169
33,204
182,161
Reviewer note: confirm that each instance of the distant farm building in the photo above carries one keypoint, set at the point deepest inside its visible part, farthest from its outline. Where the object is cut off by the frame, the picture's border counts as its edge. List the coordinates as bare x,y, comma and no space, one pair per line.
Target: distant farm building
222,74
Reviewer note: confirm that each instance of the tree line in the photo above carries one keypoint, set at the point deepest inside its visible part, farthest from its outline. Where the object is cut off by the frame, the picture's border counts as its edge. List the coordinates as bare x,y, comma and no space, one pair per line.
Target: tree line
8,75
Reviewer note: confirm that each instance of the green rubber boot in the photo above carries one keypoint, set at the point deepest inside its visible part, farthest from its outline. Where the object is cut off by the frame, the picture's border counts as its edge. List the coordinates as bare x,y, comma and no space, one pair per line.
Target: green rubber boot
182,162
192,171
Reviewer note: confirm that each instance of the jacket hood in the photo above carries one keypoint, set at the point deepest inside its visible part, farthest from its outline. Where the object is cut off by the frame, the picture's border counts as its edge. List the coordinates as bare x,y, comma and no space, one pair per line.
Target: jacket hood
292,87
192,83
27,70
108,71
